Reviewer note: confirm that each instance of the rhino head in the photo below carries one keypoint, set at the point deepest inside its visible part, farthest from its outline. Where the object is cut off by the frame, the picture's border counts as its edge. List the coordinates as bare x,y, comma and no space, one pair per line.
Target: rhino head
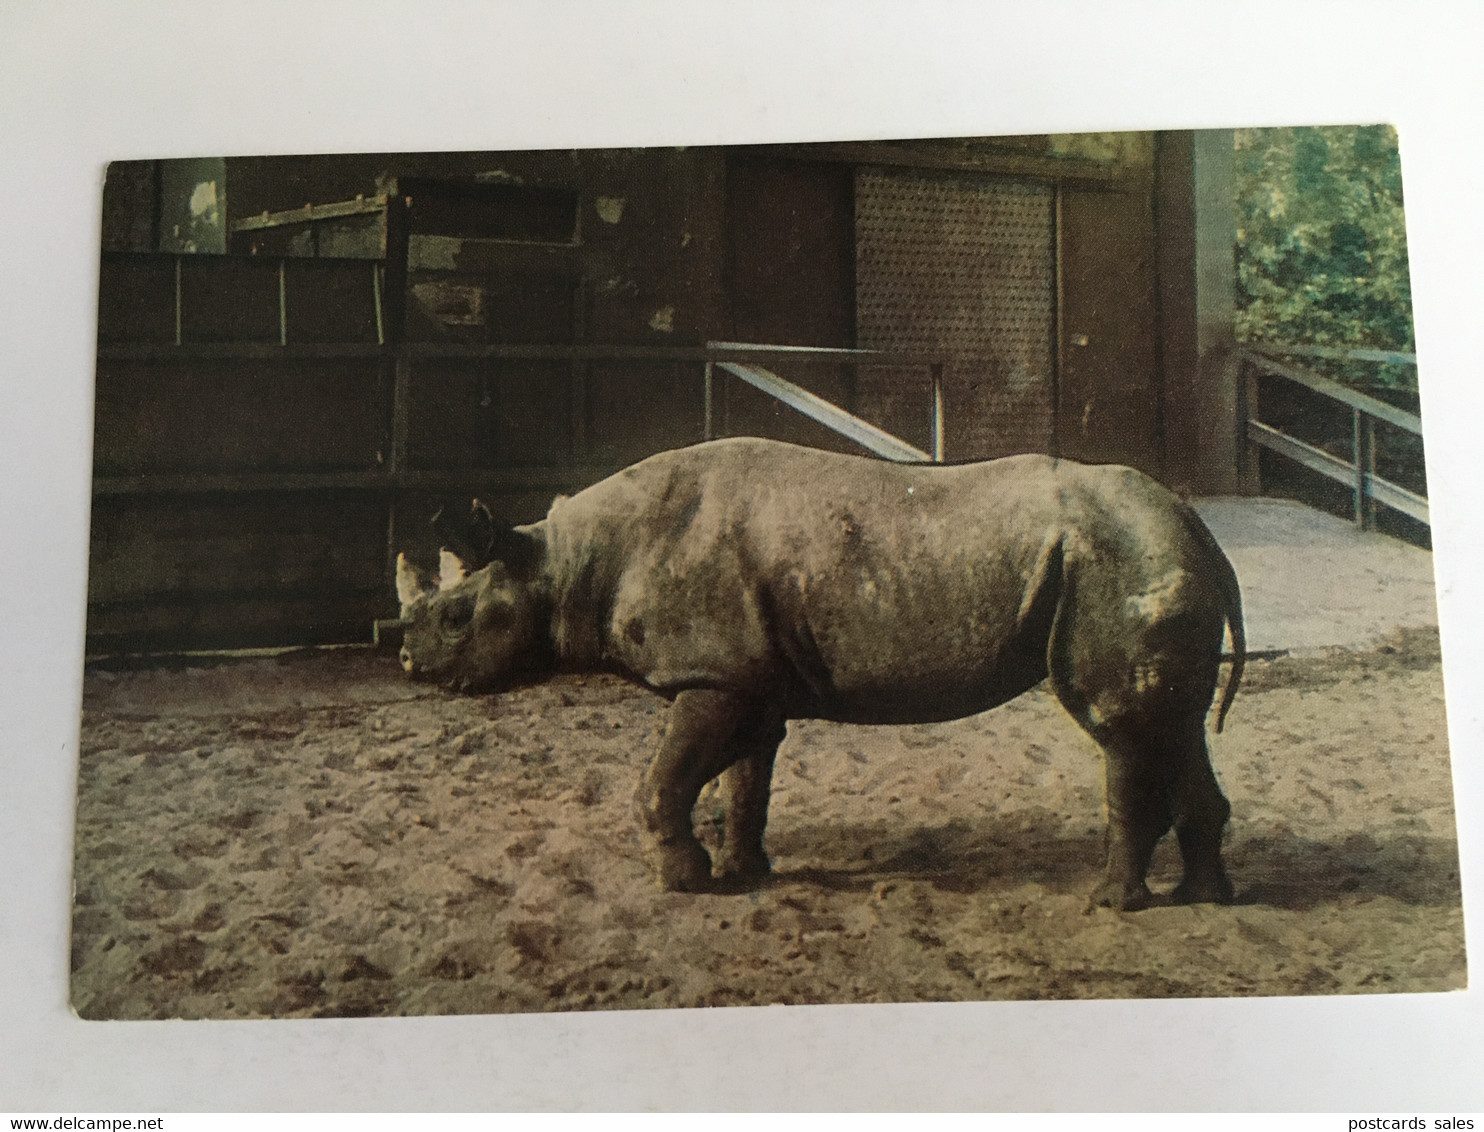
475,631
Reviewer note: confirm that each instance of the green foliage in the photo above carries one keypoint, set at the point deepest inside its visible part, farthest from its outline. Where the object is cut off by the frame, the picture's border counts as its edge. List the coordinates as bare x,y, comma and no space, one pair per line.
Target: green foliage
1321,241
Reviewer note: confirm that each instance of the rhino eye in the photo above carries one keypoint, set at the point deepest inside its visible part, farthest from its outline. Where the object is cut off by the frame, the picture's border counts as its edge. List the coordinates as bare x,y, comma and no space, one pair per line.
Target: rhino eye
455,616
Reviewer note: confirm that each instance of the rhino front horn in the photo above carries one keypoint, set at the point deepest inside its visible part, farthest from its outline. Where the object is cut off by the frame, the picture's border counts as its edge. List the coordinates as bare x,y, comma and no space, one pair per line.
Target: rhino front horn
410,585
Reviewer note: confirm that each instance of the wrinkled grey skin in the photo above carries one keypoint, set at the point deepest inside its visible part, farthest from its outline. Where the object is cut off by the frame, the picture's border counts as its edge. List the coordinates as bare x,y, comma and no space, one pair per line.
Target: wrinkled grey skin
751,582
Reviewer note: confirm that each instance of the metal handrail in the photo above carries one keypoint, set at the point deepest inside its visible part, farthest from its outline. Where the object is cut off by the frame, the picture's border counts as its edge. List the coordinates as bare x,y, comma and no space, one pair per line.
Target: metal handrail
1341,353
827,413
732,357
1367,488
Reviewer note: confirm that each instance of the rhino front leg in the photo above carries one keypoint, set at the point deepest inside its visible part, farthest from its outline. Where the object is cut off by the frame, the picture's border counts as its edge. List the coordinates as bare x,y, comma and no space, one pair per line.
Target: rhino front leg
696,747
744,789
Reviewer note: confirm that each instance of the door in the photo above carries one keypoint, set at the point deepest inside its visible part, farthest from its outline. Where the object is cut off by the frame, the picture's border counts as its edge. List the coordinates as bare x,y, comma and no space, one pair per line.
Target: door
963,265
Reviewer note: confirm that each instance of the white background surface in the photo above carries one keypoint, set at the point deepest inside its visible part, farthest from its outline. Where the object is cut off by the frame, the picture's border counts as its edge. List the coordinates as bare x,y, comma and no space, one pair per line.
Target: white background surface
83,83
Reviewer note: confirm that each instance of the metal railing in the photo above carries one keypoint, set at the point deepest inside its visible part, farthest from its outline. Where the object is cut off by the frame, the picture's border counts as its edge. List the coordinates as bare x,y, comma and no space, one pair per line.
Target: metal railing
1359,472
743,360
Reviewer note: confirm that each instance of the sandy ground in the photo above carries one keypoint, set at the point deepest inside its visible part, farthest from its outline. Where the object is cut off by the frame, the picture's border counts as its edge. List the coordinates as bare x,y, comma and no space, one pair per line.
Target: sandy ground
310,835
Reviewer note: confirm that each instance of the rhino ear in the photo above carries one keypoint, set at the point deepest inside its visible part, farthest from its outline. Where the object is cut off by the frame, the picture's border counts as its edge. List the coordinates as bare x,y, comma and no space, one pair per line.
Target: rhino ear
468,535
518,550
451,570
512,547
481,527
410,585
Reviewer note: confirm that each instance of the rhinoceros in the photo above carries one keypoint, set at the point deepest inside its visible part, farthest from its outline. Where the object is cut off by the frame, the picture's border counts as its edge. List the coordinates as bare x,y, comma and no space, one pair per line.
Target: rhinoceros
751,582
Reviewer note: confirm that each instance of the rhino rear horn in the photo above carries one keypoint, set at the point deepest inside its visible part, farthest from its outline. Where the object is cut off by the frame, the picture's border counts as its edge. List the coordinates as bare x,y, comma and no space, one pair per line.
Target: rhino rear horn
410,584
453,531
451,570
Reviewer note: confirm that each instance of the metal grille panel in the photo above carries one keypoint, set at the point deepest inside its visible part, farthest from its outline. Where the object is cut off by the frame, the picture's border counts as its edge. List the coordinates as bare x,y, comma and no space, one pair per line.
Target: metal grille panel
967,267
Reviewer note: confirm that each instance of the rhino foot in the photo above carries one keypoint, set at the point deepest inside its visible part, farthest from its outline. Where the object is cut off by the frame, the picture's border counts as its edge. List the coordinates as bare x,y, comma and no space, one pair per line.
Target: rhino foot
741,871
681,866
1121,896
1204,890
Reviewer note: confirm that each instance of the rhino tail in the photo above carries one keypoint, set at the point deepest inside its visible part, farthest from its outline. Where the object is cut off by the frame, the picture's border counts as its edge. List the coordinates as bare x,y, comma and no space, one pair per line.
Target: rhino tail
1233,593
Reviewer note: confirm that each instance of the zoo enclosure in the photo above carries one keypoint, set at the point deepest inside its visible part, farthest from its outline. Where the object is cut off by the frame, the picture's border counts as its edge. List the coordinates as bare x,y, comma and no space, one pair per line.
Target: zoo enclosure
252,472
1353,464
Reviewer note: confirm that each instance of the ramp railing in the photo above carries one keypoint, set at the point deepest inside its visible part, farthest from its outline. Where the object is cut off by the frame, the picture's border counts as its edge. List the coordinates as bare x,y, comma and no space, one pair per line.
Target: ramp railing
1358,471
827,413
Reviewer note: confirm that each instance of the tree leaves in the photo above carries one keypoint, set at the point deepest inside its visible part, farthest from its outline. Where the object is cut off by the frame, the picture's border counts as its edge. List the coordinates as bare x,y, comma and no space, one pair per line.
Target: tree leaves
1322,243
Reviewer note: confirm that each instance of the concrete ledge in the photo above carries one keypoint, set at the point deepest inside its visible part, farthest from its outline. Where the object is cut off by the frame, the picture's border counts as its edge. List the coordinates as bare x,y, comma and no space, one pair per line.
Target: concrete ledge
1312,581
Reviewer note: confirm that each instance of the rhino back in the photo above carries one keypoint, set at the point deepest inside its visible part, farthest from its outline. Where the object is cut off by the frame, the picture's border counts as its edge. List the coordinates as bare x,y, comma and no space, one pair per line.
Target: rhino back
860,589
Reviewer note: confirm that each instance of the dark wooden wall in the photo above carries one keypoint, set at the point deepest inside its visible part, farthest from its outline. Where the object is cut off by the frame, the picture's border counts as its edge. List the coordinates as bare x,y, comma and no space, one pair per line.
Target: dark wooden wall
244,432
790,280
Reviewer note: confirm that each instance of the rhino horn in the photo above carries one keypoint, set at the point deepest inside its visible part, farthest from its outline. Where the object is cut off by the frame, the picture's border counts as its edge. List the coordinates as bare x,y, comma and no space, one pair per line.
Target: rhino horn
451,570
410,585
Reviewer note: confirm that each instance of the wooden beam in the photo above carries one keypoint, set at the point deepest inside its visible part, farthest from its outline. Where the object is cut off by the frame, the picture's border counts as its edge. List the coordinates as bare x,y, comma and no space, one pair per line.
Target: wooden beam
361,206
954,159
458,253
168,483
254,351
544,477
827,413
233,351
1343,353
558,477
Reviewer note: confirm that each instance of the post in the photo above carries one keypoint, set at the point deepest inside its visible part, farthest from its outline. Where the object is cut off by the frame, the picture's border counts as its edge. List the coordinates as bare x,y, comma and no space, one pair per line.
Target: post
393,306
1370,471
1196,232
177,300
1363,447
283,308
579,373
376,299
708,424
936,435
396,457
401,398
394,277
393,538
1249,468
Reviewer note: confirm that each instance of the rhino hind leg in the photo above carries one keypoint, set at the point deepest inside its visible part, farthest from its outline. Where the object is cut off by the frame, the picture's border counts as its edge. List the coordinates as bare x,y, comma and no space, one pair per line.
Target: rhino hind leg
1201,812
1149,718
697,746
1159,777
745,787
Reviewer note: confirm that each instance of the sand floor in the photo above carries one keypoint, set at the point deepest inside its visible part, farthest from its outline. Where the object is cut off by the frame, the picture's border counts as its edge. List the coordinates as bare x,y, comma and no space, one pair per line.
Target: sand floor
310,835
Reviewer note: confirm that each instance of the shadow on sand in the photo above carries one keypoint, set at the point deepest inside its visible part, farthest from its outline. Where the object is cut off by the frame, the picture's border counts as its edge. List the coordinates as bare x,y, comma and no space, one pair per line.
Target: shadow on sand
1284,871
